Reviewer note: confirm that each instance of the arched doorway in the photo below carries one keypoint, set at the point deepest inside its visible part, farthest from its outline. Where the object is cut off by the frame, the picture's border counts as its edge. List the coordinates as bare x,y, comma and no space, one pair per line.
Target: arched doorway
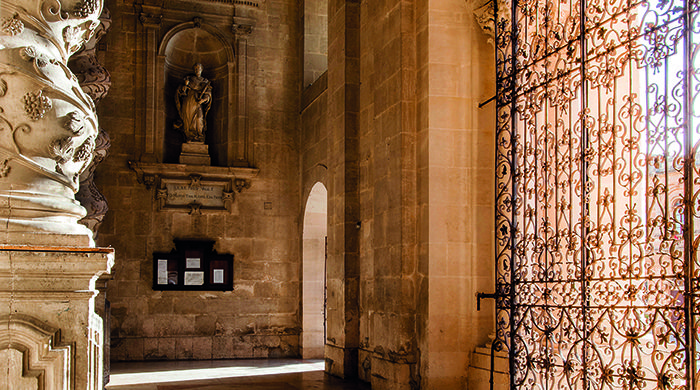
314,273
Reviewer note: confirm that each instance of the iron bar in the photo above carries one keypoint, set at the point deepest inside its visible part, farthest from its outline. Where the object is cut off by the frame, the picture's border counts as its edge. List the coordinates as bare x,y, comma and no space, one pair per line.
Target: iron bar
688,164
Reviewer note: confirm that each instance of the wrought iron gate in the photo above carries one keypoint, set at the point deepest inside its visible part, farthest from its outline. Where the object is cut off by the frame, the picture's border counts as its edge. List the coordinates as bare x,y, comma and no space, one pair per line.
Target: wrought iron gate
598,201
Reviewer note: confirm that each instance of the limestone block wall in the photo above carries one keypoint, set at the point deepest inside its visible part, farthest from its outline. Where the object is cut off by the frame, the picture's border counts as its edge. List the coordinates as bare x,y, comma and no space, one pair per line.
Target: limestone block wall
456,176
314,137
410,175
260,317
388,232
315,40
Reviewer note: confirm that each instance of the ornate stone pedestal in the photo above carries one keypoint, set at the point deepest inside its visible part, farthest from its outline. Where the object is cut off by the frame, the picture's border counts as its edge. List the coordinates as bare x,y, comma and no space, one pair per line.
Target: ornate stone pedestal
50,336
195,153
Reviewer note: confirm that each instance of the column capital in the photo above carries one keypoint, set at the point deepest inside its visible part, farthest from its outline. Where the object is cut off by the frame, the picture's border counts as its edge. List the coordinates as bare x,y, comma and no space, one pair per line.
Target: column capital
242,26
150,16
150,20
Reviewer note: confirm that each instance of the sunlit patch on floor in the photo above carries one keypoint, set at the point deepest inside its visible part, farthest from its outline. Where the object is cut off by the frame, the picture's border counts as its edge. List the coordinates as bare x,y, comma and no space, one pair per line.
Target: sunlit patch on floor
196,374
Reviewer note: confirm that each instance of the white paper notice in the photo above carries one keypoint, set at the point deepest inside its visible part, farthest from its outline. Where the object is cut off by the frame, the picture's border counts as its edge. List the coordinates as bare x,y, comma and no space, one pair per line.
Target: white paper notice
192,262
162,271
218,276
194,278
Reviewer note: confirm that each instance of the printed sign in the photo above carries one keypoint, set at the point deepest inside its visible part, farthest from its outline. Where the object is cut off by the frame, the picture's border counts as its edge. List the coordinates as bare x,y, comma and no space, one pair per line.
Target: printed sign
194,278
162,271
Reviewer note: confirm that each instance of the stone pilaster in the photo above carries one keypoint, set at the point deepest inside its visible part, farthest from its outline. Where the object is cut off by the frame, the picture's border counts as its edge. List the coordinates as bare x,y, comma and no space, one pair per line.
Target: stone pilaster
241,156
342,336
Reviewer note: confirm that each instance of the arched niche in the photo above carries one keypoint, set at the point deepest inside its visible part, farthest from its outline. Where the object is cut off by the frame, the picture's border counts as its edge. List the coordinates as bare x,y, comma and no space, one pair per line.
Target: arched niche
182,47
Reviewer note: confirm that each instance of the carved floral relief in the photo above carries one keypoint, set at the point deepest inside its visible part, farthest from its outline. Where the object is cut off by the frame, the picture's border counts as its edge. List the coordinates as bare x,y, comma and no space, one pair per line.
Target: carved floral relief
48,124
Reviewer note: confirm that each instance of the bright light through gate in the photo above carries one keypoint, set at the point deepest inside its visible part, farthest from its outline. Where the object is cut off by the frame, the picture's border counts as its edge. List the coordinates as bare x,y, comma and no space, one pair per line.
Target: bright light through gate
598,193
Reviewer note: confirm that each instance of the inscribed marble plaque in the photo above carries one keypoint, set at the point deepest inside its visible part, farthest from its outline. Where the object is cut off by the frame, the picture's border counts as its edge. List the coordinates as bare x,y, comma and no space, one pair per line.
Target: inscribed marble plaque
183,194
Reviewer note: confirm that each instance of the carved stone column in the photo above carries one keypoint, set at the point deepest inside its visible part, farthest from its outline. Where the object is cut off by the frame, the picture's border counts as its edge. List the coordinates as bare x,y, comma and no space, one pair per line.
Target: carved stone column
48,124
50,336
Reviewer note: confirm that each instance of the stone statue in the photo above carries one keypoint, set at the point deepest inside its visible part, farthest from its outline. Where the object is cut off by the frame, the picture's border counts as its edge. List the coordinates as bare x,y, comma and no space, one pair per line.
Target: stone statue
193,100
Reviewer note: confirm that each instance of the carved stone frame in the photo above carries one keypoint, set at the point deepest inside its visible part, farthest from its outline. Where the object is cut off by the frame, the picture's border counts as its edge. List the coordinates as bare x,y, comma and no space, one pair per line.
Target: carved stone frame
44,357
151,113
158,176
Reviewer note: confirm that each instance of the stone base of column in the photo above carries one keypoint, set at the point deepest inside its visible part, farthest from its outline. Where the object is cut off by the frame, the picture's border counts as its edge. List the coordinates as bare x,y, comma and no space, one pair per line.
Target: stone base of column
195,153
50,336
341,362
387,374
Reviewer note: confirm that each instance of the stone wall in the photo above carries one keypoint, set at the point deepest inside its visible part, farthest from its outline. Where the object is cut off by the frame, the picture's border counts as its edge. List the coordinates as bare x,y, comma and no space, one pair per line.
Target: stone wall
455,165
392,130
388,233
260,317
315,40
410,157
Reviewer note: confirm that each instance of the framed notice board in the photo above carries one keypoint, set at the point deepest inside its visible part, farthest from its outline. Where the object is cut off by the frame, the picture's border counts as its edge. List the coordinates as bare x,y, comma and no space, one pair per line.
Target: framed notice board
192,265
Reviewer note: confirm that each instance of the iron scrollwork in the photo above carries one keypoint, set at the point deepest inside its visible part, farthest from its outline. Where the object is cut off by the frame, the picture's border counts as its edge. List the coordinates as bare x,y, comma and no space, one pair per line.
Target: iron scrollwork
597,193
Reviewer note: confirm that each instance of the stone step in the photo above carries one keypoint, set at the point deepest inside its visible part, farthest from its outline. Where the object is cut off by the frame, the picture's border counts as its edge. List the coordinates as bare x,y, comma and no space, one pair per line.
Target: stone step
480,370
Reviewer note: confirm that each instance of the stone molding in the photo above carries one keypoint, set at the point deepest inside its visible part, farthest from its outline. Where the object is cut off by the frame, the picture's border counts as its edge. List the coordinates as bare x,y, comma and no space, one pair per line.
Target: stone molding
49,123
43,357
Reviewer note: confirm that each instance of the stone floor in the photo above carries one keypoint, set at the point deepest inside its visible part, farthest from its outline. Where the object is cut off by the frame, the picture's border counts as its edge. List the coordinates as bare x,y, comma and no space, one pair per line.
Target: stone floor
278,374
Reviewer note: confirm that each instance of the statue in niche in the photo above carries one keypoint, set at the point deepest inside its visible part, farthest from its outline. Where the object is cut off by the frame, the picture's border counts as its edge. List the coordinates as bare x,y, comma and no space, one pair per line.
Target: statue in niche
193,100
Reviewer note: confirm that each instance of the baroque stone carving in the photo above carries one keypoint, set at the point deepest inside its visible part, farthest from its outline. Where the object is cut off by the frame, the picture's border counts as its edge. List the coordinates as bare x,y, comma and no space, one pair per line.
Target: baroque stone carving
93,78
11,26
89,195
485,16
44,114
193,101
84,8
36,104
242,26
194,189
150,20
241,184
242,29
95,81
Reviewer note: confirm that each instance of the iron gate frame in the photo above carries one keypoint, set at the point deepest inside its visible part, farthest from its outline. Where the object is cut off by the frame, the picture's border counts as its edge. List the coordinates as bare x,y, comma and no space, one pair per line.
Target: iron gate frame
508,176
